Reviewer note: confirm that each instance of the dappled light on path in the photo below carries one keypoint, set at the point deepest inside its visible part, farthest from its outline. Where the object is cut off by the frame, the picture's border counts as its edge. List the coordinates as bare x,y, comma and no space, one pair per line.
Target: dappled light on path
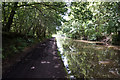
42,62
45,62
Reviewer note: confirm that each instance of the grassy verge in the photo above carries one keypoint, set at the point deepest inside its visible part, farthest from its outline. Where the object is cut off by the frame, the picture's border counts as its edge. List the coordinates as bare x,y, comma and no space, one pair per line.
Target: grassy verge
58,53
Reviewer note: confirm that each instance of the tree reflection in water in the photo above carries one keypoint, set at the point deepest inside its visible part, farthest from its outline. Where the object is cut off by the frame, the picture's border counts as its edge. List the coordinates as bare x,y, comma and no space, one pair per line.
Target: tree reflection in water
90,60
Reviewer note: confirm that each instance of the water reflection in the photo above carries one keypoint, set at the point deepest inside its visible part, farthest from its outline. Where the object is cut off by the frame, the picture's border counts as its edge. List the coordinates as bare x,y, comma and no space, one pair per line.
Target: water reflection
89,60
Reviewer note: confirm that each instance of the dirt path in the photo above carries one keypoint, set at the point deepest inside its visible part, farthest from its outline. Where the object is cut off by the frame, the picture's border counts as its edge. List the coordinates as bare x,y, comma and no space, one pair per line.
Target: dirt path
42,62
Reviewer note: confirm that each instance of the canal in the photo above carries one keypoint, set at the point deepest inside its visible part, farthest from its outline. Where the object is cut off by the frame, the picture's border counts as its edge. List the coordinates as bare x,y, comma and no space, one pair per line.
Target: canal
83,59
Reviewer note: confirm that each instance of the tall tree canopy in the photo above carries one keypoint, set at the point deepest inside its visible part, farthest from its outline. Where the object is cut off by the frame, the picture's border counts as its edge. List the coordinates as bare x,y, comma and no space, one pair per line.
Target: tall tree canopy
38,19
87,20
92,20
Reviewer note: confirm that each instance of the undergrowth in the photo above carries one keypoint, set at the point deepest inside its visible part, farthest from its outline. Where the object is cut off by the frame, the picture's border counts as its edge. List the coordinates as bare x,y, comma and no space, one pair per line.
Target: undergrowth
12,46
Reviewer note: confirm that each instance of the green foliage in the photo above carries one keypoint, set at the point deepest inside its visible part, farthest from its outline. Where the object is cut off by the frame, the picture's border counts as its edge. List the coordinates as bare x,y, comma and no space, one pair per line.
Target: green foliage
92,20
31,21
37,19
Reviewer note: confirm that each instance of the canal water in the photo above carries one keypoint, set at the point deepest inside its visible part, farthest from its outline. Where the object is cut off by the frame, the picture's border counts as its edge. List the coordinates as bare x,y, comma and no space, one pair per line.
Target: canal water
88,60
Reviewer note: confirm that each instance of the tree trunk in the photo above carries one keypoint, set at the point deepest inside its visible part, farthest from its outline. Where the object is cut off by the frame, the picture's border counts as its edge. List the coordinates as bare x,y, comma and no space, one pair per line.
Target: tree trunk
10,19
4,17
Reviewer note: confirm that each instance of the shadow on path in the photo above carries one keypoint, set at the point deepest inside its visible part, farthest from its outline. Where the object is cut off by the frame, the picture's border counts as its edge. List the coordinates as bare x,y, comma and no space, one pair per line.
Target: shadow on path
41,62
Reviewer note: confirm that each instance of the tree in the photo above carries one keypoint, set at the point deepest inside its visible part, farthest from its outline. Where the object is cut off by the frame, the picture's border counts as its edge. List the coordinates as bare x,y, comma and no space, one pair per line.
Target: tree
38,19
93,20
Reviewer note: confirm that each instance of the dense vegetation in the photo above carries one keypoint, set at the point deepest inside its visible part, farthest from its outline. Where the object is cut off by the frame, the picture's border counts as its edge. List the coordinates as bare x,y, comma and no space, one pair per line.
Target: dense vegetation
93,21
36,19
25,23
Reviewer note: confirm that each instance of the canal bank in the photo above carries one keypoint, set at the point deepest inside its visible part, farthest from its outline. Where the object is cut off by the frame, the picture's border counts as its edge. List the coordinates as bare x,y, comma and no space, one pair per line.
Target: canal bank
88,60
